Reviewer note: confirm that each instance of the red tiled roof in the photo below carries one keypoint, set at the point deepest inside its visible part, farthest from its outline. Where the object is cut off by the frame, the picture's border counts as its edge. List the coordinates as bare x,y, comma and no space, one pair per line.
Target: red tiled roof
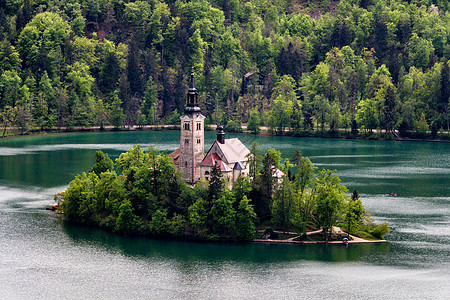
175,156
211,159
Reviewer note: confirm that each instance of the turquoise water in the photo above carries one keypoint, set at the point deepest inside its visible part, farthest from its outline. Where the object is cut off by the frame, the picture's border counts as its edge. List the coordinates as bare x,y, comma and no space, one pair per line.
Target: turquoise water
42,257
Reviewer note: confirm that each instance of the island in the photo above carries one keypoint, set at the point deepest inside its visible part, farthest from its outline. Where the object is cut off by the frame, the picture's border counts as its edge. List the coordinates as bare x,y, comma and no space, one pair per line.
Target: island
231,193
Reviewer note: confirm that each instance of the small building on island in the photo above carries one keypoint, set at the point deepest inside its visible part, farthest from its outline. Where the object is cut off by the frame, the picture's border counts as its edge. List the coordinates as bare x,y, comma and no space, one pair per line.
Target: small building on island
229,154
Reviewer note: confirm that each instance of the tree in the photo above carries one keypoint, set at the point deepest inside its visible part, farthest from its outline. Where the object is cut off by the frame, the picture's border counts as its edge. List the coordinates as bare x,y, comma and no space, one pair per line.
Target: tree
305,172
254,160
160,225
422,126
150,104
354,213
117,117
45,32
215,183
390,109
199,216
7,117
133,159
367,114
245,217
126,221
102,163
445,93
329,197
283,205
223,216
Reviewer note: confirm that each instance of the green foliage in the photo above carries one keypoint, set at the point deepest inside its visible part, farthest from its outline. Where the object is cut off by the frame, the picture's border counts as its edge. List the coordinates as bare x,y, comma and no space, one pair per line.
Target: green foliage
283,205
102,163
215,182
321,68
254,122
330,199
245,218
126,221
149,198
223,216
380,230
198,216
233,126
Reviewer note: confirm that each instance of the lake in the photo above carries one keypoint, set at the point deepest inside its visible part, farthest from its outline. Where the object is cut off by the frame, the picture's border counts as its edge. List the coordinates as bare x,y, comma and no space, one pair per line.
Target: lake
42,257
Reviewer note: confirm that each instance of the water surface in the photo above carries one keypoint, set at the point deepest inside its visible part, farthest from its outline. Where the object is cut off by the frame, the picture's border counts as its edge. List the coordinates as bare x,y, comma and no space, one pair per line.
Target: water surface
43,257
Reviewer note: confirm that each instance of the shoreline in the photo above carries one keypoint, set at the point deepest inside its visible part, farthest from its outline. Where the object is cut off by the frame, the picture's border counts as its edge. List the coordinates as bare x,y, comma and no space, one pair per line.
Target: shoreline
149,128
353,240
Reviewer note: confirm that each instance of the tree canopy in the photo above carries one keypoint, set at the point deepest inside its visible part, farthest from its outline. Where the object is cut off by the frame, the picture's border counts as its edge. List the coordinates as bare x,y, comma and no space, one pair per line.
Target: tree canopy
302,66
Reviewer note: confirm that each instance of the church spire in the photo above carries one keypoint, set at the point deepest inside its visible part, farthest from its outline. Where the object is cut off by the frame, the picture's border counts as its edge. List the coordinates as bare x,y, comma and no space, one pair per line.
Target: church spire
192,96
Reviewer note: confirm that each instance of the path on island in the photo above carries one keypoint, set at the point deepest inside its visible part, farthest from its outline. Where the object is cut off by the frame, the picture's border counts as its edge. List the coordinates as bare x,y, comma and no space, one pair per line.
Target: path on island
337,230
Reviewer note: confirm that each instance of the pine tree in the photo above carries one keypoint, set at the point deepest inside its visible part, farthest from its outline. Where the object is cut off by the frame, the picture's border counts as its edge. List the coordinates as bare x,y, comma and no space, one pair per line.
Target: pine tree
215,183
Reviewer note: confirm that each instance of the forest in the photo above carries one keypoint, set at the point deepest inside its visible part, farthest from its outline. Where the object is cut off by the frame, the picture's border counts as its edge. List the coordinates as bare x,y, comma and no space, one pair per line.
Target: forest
303,66
142,194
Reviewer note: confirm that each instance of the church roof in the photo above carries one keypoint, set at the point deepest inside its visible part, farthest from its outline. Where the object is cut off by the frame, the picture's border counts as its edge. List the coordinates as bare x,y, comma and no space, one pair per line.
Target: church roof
211,159
234,150
238,166
175,156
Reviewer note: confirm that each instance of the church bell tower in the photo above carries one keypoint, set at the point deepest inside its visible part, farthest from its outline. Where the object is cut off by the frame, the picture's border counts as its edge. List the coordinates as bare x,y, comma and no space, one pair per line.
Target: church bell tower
192,142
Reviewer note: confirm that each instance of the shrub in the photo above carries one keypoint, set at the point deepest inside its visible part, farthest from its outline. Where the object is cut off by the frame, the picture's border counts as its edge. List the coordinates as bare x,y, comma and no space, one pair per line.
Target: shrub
380,230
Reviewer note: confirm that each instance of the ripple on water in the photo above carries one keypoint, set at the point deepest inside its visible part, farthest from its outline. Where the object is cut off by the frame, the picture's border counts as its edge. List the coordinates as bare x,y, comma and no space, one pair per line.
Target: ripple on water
8,151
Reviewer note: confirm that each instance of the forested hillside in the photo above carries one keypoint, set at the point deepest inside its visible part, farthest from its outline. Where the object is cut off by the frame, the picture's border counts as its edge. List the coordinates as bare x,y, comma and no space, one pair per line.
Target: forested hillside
298,65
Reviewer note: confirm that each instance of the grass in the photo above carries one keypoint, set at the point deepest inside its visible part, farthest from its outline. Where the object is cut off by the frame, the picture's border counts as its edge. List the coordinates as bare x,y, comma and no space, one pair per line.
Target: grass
364,235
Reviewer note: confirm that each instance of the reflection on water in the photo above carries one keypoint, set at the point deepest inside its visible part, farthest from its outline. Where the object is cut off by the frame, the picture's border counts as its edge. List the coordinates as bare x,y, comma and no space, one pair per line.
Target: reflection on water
220,252
38,249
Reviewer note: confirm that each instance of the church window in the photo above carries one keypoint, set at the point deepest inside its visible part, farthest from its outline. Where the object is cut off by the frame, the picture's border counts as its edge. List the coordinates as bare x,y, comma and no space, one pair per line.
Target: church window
186,141
185,163
199,126
187,126
198,141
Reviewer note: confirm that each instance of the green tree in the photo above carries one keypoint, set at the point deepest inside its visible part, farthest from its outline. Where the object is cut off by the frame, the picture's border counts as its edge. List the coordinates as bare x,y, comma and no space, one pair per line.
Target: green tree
444,102
126,221
367,114
254,121
245,218
199,216
283,205
329,195
305,171
353,214
117,117
215,183
254,160
223,215
7,117
422,126
150,105
102,163
45,32
160,225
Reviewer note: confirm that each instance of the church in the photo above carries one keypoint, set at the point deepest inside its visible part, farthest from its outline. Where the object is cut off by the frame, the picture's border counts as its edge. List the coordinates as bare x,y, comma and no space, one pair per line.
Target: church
229,154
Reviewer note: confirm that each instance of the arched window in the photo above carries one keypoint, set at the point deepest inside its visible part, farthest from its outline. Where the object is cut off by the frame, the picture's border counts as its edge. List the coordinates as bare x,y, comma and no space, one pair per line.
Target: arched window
199,126
185,163
187,126
207,173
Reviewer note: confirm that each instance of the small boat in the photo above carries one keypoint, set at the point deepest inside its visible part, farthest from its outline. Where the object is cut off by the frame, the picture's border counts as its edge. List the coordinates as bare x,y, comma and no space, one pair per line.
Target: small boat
52,207
345,241
393,194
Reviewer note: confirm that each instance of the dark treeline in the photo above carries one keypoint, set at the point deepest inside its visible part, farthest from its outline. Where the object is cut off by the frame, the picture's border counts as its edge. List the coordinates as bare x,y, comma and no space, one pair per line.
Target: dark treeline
147,197
298,65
